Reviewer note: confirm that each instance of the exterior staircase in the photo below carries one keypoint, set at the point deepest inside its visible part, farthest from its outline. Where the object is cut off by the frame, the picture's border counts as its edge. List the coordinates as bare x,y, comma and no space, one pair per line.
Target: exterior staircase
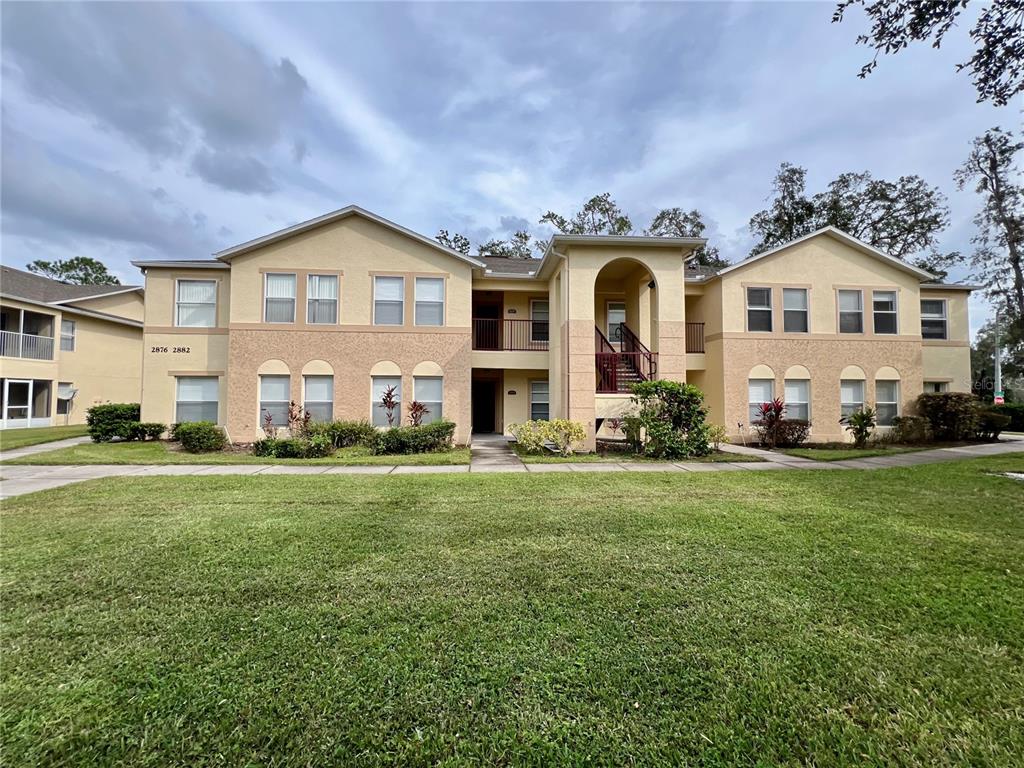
619,370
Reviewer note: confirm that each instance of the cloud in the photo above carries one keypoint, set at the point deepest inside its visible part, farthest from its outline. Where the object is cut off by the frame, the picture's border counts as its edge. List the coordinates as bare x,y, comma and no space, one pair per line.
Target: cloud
234,172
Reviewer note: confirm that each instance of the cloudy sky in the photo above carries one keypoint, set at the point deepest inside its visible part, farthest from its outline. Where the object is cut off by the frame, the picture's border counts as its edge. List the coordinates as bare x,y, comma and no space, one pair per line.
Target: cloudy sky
171,131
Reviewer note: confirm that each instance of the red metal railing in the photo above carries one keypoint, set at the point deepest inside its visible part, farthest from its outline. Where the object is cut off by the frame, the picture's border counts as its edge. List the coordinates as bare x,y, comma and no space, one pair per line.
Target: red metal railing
510,335
619,371
695,337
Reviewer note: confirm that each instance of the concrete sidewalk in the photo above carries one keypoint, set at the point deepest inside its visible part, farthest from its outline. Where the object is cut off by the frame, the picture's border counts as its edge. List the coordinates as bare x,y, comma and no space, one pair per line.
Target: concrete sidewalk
16,480
31,450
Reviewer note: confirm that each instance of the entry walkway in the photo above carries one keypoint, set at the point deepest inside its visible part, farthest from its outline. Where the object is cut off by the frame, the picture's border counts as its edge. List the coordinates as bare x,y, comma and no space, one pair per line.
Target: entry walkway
488,456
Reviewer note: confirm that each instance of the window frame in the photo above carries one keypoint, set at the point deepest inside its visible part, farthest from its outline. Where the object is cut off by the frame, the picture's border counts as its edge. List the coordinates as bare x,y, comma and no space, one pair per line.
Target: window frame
751,405
267,299
608,322
879,403
329,403
535,324
895,312
311,299
860,404
535,402
806,403
859,312
374,402
770,308
401,302
944,318
59,400
68,339
433,416
417,301
178,302
806,311
930,386
286,402
178,401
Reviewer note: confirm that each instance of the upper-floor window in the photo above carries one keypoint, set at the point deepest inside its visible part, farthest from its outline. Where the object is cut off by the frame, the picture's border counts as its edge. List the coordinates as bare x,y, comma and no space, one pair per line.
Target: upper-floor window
851,312
759,309
67,335
429,301
279,301
322,299
933,319
883,305
794,310
539,319
936,386
388,300
196,305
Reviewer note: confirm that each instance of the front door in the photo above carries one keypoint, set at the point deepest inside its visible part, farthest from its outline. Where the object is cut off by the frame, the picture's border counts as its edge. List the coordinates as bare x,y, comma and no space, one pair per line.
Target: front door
17,402
616,319
484,401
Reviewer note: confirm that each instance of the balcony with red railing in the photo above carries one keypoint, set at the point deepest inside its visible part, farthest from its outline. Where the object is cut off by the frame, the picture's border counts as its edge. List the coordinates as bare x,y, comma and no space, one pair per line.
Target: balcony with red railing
505,335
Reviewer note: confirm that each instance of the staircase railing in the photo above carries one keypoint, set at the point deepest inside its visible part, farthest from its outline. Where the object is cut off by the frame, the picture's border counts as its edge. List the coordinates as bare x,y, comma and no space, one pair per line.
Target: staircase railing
644,361
618,371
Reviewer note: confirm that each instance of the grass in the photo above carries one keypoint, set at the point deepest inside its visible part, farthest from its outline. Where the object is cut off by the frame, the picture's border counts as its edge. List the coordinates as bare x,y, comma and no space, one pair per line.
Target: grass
841,451
621,458
22,438
713,619
156,452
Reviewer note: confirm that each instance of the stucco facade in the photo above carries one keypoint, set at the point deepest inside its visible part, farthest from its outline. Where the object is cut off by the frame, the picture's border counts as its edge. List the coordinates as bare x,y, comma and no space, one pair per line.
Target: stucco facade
560,336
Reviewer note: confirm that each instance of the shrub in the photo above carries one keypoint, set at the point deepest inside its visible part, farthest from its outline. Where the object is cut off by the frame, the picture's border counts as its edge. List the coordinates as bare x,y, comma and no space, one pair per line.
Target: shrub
910,429
564,434
201,437
669,422
860,424
425,439
417,411
345,434
770,416
131,430
1016,413
717,435
990,424
317,446
152,430
172,433
266,446
105,422
950,415
791,433
530,435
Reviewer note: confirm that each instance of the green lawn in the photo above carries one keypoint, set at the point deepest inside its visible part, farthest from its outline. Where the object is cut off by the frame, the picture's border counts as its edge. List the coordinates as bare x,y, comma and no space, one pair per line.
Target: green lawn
801,618
20,438
840,453
157,452
620,458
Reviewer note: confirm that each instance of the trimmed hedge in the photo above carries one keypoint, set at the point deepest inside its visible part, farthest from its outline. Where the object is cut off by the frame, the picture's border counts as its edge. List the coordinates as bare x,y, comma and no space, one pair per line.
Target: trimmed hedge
424,439
105,422
314,447
345,434
201,437
1016,413
950,415
991,423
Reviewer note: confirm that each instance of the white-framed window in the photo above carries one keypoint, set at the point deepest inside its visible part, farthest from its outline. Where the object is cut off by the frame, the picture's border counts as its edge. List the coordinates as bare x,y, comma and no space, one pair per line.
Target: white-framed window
934,324
798,399
378,386
275,396
540,401
322,299
887,401
67,335
794,310
936,386
318,397
388,300
851,311
196,304
429,301
883,305
539,317
616,319
279,298
759,310
851,396
759,391
65,394
429,390
197,399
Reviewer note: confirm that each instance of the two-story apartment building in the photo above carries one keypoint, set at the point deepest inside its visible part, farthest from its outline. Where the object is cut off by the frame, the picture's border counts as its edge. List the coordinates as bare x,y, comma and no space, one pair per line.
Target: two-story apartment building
65,348
331,312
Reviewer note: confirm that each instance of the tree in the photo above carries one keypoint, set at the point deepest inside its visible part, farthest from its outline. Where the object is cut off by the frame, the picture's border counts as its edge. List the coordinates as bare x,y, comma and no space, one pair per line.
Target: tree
1011,341
600,215
999,244
456,242
997,66
901,218
78,270
675,222
516,247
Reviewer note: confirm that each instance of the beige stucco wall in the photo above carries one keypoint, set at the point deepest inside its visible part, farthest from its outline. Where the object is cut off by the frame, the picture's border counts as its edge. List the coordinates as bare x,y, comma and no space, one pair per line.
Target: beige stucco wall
168,355
129,305
161,296
516,407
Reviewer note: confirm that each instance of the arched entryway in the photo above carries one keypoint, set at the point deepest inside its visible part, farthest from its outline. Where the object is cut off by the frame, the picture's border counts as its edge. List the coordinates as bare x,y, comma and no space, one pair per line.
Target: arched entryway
626,325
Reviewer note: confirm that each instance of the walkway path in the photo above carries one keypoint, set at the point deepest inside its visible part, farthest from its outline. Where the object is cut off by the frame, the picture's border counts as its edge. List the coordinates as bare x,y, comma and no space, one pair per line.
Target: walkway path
30,450
492,453
16,480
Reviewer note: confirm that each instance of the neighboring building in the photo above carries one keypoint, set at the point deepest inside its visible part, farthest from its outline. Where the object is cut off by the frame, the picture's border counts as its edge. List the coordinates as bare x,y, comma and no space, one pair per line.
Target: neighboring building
65,348
331,312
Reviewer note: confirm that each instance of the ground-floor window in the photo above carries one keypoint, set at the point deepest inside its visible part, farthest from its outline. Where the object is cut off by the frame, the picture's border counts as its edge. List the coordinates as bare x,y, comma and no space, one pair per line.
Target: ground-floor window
65,391
318,397
759,391
851,396
275,394
798,399
936,386
380,385
540,403
887,401
197,399
429,390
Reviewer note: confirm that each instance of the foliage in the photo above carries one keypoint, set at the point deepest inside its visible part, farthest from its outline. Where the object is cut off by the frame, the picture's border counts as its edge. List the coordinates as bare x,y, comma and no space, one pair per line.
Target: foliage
316,446
565,434
78,270
436,436
345,434
990,423
456,241
860,424
109,420
390,404
201,437
417,411
950,415
670,420
791,433
530,436
717,435
1011,343
600,215
769,416
517,246
998,258
675,222
909,429
153,429
1016,413
299,420
997,66
901,218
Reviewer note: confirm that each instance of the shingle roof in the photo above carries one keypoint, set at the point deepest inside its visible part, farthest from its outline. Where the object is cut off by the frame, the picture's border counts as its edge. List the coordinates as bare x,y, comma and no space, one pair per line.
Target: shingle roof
505,266
700,271
25,285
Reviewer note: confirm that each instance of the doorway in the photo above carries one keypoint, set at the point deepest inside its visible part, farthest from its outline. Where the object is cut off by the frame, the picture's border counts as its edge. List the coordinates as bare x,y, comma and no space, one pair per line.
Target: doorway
485,399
